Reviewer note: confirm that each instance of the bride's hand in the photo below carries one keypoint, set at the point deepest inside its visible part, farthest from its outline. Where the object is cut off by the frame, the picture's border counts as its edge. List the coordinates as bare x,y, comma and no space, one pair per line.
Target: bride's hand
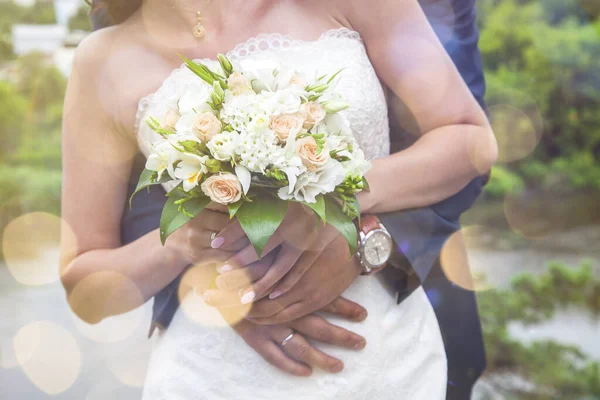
298,356
300,237
199,241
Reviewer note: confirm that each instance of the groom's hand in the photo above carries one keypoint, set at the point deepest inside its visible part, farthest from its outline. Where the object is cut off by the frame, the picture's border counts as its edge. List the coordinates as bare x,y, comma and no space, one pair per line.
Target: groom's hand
298,356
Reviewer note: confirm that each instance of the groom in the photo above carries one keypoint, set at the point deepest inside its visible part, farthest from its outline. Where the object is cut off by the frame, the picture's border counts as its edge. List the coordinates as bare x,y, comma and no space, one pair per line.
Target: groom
419,233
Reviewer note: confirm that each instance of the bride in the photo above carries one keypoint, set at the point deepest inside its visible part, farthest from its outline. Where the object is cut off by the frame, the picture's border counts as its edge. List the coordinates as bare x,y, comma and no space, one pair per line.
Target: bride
125,73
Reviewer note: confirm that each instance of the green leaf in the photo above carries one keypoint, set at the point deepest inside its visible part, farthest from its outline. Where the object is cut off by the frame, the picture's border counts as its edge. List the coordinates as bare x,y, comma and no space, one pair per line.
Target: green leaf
341,222
147,179
173,217
334,75
201,70
261,218
318,208
234,207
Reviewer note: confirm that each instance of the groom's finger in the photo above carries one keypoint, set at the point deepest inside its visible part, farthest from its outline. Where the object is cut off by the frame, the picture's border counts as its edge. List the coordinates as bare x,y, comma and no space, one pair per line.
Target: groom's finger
320,329
300,349
273,354
347,309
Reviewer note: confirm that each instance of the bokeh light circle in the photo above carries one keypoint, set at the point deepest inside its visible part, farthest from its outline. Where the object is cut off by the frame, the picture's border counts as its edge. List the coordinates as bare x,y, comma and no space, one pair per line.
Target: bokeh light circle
31,247
194,283
112,294
517,132
455,262
49,356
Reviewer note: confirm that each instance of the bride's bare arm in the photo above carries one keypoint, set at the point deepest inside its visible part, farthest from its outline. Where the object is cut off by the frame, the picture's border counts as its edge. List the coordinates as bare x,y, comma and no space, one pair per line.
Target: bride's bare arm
101,277
456,142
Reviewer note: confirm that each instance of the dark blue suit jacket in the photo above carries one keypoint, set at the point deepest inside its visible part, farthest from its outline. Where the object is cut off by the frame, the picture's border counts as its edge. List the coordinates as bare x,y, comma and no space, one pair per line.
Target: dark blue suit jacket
419,233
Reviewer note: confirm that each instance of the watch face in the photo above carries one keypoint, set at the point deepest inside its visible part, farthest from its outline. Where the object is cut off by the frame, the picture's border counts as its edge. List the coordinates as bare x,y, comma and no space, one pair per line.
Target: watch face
378,248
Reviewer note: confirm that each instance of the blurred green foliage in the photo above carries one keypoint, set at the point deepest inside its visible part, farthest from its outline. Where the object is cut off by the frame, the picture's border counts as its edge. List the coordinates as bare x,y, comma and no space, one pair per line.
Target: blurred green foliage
81,20
30,129
542,57
559,371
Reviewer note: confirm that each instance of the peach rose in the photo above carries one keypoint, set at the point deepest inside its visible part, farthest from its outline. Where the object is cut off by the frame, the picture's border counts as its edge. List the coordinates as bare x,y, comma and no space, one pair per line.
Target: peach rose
306,148
285,124
238,84
297,80
313,114
170,119
206,126
224,188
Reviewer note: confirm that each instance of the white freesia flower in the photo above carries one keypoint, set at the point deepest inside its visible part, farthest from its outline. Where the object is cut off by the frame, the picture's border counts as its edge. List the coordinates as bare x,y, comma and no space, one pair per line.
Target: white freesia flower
190,170
224,146
261,73
162,159
313,183
244,176
357,165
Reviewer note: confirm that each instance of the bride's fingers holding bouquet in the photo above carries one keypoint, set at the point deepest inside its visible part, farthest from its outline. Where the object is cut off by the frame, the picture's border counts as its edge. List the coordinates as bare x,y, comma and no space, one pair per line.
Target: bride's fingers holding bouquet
290,263
198,240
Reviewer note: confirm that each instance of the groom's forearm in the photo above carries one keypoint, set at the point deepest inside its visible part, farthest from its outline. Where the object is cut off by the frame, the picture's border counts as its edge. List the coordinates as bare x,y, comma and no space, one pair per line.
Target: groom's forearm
420,233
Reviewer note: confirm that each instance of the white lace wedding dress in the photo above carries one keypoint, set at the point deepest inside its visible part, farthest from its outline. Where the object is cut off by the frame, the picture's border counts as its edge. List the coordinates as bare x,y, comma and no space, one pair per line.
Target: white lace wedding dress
404,357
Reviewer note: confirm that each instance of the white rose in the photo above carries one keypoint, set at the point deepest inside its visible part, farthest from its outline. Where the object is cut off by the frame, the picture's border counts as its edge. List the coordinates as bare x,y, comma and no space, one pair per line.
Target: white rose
224,188
224,145
286,101
313,114
286,124
206,126
195,98
238,84
259,124
306,149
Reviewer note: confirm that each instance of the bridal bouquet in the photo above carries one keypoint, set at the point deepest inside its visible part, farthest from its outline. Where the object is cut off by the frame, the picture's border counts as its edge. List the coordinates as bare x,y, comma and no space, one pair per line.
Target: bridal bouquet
254,138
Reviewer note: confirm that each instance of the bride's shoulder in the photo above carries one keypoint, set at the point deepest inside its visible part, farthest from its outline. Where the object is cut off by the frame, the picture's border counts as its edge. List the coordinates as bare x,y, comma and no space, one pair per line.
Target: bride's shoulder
99,47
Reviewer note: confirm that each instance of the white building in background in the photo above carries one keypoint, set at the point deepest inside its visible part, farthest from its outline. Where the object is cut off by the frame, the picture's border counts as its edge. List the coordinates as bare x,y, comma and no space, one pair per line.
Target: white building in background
43,38
65,9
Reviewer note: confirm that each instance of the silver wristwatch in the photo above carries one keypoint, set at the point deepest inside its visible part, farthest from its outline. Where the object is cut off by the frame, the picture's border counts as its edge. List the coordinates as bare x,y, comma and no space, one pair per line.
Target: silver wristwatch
375,244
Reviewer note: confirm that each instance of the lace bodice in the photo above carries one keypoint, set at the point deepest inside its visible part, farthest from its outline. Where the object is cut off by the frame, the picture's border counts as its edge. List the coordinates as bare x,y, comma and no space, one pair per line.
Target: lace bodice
333,50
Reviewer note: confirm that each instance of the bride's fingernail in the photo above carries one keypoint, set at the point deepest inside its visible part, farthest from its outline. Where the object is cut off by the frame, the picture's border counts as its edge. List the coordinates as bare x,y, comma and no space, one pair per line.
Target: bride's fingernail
217,242
225,268
248,297
275,295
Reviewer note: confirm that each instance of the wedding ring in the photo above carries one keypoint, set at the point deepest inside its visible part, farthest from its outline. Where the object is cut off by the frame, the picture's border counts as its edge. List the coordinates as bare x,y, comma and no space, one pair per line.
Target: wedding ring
287,339
213,236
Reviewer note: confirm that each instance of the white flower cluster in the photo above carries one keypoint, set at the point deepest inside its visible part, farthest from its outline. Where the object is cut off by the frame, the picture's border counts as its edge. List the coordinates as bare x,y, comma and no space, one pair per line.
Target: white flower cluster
258,125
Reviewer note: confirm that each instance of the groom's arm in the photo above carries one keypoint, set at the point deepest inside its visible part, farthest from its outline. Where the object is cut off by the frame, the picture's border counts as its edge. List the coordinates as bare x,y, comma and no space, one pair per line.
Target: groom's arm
420,233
